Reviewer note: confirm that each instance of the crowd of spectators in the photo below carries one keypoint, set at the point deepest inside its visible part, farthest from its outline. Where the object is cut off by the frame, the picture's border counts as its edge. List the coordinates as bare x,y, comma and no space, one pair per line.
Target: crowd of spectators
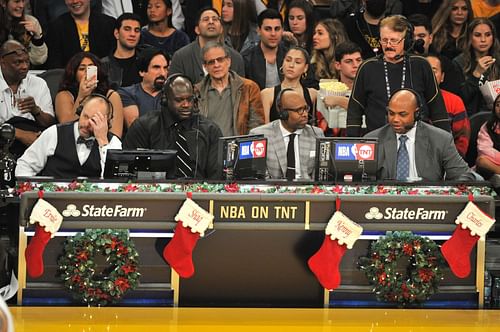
239,55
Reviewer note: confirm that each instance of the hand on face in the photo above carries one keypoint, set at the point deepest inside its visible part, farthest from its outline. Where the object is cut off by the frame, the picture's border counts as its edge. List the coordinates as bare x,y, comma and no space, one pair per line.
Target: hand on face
99,126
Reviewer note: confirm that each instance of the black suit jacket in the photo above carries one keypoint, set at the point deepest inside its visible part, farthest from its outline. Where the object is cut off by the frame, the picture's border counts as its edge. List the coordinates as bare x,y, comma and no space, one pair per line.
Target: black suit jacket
255,64
63,41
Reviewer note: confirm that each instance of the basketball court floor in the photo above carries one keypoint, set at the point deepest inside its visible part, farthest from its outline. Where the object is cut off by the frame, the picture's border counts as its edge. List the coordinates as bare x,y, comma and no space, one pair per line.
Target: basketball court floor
82,319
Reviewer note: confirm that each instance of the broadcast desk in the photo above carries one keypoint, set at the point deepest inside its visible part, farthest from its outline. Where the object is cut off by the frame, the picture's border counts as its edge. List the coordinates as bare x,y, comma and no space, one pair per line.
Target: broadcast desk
255,253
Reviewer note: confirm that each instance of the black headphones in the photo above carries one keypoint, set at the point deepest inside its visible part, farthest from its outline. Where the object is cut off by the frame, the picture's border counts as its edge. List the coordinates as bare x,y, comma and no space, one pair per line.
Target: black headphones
410,31
420,104
167,85
283,115
85,100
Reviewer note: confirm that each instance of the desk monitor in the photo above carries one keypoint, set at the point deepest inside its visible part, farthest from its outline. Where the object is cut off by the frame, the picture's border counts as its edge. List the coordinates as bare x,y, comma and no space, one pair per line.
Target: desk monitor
140,164
346,159
242,157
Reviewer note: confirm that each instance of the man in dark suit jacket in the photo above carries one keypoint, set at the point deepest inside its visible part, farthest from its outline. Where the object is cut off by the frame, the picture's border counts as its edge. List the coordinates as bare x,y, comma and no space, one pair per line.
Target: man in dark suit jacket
81,29
431,152
293,120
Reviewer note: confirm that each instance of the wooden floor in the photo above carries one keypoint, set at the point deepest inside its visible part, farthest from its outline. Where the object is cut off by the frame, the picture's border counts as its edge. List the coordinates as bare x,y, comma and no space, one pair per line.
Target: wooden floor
60,319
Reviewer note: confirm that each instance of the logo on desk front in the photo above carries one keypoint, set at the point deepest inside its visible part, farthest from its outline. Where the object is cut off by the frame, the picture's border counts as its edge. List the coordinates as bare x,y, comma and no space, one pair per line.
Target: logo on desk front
91,210
392,213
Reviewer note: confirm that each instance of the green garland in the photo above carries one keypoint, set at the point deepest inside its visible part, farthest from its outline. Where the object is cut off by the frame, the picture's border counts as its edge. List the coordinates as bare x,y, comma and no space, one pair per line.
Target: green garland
422,276
78,267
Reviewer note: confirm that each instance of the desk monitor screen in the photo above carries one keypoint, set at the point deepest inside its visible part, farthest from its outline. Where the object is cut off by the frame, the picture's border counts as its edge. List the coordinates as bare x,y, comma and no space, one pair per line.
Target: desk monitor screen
346,159
140,164
242,157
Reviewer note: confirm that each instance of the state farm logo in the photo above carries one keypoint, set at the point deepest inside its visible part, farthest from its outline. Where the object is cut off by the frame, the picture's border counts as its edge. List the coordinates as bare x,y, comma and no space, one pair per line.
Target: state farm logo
71,211
91,210
392,213
374,213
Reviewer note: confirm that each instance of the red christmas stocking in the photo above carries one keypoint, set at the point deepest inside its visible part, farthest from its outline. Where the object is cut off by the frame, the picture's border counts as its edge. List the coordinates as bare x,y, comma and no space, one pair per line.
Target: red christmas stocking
178,252
341,233
325,263
48,221
34,252
473,224
192,221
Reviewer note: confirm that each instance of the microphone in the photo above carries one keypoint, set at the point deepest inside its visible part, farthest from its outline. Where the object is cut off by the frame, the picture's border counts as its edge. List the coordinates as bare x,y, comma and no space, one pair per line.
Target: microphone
418,46
398,56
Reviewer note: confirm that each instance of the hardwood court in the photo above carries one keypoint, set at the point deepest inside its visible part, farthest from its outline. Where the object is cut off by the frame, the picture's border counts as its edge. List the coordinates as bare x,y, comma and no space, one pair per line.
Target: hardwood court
61,319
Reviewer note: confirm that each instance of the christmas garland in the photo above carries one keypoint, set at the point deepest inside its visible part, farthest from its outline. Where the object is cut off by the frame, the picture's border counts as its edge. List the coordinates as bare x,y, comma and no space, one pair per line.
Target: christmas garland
422,276
78,267
354,189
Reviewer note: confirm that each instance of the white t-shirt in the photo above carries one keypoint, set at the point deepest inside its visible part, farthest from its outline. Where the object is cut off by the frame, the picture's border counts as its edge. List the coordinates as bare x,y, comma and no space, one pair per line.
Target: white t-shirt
31,85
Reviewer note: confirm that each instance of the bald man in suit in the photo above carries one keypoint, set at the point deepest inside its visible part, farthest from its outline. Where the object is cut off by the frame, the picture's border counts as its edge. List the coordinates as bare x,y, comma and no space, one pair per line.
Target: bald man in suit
431,154
293,111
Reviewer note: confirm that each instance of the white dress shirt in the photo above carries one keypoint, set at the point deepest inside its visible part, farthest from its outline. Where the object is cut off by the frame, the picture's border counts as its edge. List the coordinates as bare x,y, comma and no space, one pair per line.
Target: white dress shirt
35,157
115,8
410,146
286,137
31,85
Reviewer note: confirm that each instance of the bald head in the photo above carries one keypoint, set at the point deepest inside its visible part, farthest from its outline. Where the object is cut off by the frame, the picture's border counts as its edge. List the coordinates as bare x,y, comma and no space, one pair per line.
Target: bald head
401,111
14,62
11,46
296,108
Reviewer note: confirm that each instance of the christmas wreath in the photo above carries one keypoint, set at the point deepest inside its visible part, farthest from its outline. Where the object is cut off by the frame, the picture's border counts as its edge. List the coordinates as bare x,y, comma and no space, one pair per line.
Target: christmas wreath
391,280
79,268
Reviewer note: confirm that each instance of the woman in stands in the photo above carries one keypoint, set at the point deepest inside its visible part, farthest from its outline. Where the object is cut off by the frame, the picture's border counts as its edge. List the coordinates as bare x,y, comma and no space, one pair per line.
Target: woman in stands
480,62
294,68
488,145
327,34
159,32
239,19
15,24
75,87
300,23
449,24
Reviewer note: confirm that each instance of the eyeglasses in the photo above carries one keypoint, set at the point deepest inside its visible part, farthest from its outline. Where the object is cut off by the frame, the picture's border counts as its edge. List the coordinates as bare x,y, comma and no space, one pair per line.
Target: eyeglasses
392,41
18,52
218,60
300,110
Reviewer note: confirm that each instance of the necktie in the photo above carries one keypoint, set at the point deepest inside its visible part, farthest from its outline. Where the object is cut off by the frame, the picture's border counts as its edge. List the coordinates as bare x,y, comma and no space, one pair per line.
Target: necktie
403,162
183,157
290,158
89,143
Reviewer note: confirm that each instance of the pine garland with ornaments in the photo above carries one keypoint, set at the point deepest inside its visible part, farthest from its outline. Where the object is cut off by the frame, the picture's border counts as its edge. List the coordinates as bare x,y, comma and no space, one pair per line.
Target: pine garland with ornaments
391,281
78,267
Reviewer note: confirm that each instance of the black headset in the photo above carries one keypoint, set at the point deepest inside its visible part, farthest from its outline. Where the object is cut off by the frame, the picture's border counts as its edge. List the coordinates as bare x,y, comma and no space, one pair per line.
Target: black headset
410,31
85,100
167,85
283,115
420,104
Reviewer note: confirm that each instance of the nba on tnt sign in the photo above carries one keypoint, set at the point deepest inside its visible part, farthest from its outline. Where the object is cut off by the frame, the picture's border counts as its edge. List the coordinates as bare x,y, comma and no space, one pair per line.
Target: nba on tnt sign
253,149
354,151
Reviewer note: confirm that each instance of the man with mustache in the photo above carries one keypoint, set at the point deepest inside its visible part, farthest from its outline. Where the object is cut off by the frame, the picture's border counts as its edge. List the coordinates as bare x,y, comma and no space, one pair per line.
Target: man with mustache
379,77
140,98
178,126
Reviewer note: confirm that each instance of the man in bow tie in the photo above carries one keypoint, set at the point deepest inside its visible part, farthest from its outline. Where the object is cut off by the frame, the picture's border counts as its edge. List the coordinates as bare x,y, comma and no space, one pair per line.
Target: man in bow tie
75,149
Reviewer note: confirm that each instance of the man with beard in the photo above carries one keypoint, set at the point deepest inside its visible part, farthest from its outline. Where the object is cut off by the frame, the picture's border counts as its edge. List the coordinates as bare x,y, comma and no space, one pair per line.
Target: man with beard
178,126
363,27
73,149
140,98
122,63
379,77
25,100
188,60
291,141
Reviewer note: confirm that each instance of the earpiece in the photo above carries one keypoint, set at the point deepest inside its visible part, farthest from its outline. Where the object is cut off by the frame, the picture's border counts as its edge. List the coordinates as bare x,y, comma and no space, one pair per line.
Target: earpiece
283,115
410,30
85,100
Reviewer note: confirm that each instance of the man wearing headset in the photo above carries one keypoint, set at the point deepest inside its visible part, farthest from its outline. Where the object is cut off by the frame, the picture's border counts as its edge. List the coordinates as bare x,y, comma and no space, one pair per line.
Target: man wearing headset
405,137
75,149
291,145
379,77
178,126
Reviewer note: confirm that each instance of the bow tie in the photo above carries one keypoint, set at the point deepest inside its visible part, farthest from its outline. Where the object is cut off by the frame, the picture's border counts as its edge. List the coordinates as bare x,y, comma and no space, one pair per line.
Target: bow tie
89,143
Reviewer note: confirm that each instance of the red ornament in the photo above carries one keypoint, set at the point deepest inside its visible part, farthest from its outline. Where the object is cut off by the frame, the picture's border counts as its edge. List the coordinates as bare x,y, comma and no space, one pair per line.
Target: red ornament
425,274
232,188
122,284
128,269
407,249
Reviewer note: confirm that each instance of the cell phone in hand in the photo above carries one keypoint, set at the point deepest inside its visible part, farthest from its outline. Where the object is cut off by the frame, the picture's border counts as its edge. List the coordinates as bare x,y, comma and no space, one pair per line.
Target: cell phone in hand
91,72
